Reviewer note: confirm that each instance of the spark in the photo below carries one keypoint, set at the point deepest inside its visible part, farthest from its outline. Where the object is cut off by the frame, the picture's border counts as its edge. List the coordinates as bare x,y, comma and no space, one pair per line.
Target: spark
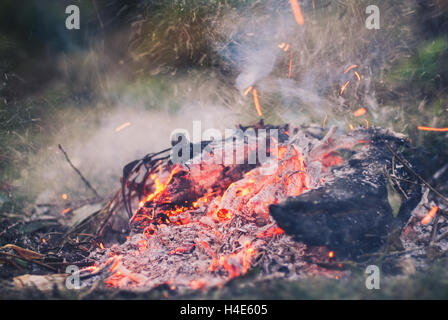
67,210
324,123
286,48
257,102
282,45
331,254
248,90
422,128
358,76
121,127
297,12
344,87
360,112
431,214
64,196
353,66
367,123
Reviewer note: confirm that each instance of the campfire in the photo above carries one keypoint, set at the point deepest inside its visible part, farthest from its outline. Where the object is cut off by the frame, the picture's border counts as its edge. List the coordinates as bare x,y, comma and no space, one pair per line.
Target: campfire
321,198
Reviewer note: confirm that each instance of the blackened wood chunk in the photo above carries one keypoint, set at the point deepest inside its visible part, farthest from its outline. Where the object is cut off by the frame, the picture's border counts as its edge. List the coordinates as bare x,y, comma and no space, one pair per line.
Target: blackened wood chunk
351,215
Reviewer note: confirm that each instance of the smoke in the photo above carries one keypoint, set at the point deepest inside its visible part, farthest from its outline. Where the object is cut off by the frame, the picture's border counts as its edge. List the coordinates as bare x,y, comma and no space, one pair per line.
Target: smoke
333,37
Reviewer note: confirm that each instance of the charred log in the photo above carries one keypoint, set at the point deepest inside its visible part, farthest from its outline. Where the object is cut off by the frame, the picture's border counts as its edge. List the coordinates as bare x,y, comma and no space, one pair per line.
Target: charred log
351,214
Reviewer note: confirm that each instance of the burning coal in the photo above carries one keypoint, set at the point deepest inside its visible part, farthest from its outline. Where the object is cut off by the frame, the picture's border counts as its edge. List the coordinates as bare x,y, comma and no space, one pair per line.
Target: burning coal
201,222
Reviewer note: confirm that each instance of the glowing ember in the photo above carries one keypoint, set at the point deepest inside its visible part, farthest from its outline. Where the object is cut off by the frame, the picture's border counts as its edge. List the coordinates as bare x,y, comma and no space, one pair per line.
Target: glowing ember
194,230
431,214
360,112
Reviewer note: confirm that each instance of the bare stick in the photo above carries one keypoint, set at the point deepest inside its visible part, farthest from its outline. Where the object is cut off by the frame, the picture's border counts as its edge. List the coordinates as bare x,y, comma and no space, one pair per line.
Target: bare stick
435,228
86,182
403,162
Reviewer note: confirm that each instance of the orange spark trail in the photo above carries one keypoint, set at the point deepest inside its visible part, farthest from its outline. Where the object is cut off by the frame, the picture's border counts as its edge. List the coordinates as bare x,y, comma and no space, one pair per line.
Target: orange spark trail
421,128
124,125
248,90
350,68
257,102
325,121
358,76
431,214
367,123
344,87
297,12
314,4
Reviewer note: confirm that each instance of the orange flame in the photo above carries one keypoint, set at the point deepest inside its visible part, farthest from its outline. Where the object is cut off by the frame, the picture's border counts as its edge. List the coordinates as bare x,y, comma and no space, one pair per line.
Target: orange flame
223,215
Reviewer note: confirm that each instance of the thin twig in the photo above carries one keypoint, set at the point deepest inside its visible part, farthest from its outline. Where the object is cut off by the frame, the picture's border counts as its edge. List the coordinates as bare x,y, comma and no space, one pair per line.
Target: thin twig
403,162
86,182
443,236
28,260
98,14
434,230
